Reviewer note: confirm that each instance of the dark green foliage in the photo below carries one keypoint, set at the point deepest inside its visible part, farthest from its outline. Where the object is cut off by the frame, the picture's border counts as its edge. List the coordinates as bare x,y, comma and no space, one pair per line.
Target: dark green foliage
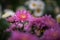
3,25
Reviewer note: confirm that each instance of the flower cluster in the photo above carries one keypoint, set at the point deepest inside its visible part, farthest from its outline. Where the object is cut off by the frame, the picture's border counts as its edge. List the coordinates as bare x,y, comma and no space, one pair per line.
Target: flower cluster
37,6
26,27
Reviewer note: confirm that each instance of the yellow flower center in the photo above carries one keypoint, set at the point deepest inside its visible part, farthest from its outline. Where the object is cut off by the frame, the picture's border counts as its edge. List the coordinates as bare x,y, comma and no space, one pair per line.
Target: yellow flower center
42,30
23,16
58,20
38,10
34,5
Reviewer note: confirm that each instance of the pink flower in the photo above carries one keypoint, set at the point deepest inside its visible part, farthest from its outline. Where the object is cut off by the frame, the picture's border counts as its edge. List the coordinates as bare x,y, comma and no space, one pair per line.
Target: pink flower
23,15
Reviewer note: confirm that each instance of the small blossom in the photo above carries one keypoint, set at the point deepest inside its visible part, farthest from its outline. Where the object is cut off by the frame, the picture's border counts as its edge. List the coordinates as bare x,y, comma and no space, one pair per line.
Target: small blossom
23,15
38,12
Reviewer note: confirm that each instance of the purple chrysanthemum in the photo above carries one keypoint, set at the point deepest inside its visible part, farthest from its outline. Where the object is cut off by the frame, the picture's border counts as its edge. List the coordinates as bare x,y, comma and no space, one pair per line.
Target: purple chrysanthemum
22,36
49,21
38,22
41,24
51,34
45,21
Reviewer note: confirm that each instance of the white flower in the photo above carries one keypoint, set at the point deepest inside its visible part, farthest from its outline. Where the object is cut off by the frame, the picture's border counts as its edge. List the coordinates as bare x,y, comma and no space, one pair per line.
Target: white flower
41,5
58,18
20,8
34,4
7,13
38,12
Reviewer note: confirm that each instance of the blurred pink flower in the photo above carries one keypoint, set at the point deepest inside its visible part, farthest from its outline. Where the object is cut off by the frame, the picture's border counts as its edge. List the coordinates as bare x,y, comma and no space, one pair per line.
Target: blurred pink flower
51,34
22,36
23,15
